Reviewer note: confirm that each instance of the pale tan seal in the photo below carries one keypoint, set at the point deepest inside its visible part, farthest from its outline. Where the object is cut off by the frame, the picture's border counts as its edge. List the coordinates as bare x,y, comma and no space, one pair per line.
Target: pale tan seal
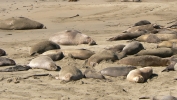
169,44
139,75
150,38
43,62
20,23
42,47
72,37
164,97
69,73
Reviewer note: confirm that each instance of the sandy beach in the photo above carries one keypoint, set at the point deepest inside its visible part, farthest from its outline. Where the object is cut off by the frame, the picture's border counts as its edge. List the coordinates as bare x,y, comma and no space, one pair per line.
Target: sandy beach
99,19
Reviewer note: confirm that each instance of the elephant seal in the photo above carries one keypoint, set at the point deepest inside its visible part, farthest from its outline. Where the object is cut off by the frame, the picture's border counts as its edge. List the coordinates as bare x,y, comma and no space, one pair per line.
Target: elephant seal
142,22
172,66
2,52
16,68
145,60
100,56
166,44
72,0
162,97
150,38
69,73
160,52
116,48
20,23
140,75
149,28
71,37
130,0
43,62
173,26
166,37
42,47
6,61
130,49
127,36
89,73
117,71
55,54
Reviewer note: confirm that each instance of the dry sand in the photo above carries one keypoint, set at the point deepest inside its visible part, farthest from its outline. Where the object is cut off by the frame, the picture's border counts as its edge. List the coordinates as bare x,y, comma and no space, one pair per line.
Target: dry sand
100,19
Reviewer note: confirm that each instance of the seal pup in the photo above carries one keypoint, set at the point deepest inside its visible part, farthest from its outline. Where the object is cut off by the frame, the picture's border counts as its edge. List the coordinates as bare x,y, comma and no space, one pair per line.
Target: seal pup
43,62
100,56
164,97
90,73
140,75
142,22
117,71
160,52
2,52
16,68
145,60
20,23
71,37
55,54
42,47
69,73
6,61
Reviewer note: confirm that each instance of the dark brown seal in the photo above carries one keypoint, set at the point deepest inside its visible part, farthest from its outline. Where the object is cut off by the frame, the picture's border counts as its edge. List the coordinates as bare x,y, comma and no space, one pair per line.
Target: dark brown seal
142,22
145,60
72,37
20,23
117,71
90,73
2,52
16,68
6,61
43,46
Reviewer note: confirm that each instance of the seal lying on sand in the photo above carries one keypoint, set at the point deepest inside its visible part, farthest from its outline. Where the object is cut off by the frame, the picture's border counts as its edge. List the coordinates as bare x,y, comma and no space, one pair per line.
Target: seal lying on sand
145,60
150,38
168,44
42,47
172,66
139,75
160,52
164,97
54,54
142,22
89,73
2,52
127,36
16,68
116,48
69,73
117,71
20,23
6,61
100,56
43,62
130,0
72,37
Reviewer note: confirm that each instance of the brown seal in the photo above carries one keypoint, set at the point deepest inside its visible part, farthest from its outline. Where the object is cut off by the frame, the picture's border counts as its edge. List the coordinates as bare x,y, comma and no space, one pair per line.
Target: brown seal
6,61
69,73
20,23
140,75
72,37
2,52
116,48
150,38
172,66
16,68
43,62
90,73
142,22
42,47
117,71
145,60
130,0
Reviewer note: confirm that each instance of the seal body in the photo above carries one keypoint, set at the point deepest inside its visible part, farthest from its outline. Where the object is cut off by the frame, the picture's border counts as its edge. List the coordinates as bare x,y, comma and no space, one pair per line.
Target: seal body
117,71
42,47
2,52
163,97
142,22
6,61
150,38
115,48
20,23
139,75
145,60
69,73
88,73
43,62
72,37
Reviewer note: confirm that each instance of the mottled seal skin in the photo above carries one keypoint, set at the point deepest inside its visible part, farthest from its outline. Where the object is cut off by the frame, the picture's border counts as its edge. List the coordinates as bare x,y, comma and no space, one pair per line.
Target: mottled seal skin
127,36
16,68
145,60
20,23
90,73
149,28
117,71
116,48
160,52
162,97
43,46
2,52
71,37
69,73
130,49
142,22
6,61
140,75
100,56
43,62
150,38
